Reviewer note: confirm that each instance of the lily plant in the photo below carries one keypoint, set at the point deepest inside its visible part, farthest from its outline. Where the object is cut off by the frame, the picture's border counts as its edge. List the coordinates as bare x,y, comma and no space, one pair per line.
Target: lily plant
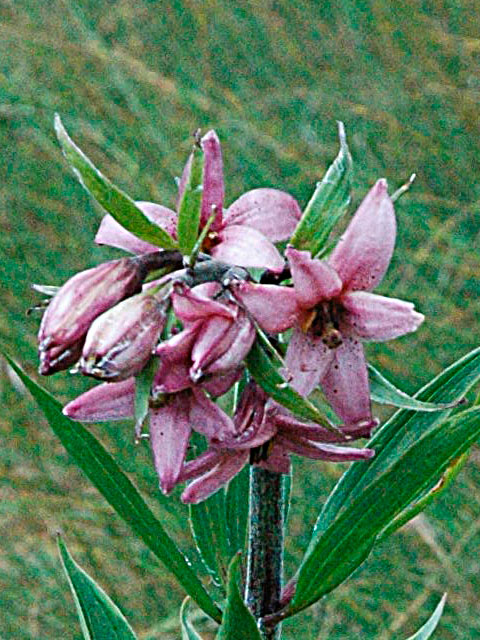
233,338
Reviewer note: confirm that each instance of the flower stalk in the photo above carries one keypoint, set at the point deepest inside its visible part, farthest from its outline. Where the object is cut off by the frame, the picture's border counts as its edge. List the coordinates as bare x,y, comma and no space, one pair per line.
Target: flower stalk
265,547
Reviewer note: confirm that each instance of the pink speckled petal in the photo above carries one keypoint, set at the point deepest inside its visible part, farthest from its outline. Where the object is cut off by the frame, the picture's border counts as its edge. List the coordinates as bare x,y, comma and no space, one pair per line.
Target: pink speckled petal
169,435
345,383
377,318
173,371
219,384
228,466
314,280
319,451
307,360
274,213
189,306
107,401
207,418
112,233
363,253
213,189
247,247
274,308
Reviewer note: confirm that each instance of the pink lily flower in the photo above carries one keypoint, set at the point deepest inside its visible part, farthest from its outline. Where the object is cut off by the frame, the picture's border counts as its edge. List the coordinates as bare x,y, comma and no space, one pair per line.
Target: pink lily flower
243,234
171,418
266,435
332,311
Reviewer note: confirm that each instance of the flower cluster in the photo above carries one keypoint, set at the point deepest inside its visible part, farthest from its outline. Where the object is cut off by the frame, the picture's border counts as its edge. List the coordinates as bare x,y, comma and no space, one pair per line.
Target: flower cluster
197,324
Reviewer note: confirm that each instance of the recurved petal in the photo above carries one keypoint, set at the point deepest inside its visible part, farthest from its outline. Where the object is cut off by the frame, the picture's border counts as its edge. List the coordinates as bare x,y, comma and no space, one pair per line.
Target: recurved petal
190,305
230,463
213,189
307,360
169,434
363,253
378,318
278,459
319,451
247,247
345,383
272,212
107,401
113,234
207,418
314,280
274,308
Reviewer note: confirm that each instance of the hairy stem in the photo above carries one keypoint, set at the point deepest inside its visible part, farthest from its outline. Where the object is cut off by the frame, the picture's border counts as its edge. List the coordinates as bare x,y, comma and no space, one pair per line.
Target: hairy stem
265,547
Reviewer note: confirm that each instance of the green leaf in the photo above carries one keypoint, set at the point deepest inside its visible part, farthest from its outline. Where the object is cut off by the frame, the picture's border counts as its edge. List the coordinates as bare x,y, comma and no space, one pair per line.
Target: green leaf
237,510
208,521
328,202
238,623
429,627
188,632
266,374
336,552
110,197
100,618
143,384
190,205
119,492
384,392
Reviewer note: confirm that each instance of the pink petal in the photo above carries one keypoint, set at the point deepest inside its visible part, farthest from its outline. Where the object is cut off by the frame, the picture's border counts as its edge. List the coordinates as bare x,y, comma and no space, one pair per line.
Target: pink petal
288,424
213,190
244,335
314,280
229,465
345,384
378,318
363,253
107,401
214,338
318,451
247,247
207,418
306,361
189,306
112,233
169,435
200,465
219,384
278,459
274,308
274,213
173,371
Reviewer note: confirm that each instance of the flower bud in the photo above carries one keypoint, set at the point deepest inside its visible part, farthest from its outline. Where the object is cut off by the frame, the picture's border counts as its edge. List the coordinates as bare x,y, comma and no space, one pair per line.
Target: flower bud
77,303
121,340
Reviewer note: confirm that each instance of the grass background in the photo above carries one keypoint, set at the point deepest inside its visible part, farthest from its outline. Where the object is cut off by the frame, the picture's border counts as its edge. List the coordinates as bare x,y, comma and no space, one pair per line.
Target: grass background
131,81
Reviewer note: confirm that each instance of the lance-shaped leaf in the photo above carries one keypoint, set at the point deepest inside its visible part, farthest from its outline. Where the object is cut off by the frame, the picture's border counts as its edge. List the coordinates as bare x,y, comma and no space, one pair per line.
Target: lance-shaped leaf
190,204
238,623
344,545
110,197
384,392
114,485
208,522
265,372
236,503
429,627
188,632
100,618
143,384
328,202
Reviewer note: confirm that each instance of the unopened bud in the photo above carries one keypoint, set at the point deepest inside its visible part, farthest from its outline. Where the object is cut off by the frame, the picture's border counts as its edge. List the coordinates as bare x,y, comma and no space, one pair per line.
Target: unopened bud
76,305
120,341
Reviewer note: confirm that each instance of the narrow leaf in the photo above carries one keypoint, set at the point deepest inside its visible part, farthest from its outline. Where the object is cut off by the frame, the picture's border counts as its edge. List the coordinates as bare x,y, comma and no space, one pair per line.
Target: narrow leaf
119,492
100,618
238,623
237,510
328,202
110,197
190,205
429,627
143,384
384,392
344,545
188,632
267,375
208,522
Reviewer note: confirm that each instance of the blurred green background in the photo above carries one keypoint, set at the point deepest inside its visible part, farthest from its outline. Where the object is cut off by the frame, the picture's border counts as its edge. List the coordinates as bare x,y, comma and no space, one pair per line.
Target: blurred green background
132,81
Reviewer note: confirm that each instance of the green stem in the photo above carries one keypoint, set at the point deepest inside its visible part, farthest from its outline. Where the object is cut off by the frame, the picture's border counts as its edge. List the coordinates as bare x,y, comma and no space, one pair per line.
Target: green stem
265,547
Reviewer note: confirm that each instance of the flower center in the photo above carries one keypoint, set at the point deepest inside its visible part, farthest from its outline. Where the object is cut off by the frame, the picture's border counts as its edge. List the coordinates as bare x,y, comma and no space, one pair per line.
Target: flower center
323,323
211,241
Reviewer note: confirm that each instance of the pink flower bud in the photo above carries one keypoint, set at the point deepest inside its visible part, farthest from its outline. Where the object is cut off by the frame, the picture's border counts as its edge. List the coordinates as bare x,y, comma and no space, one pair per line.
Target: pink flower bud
120,341
77,303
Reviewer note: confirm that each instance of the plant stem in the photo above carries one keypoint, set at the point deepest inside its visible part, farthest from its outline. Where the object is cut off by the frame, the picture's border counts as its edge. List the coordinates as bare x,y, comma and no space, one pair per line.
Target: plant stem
265,547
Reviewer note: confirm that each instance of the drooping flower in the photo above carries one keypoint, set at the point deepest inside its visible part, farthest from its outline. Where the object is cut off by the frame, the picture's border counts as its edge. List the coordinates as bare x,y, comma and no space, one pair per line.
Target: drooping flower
332,310
243,234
